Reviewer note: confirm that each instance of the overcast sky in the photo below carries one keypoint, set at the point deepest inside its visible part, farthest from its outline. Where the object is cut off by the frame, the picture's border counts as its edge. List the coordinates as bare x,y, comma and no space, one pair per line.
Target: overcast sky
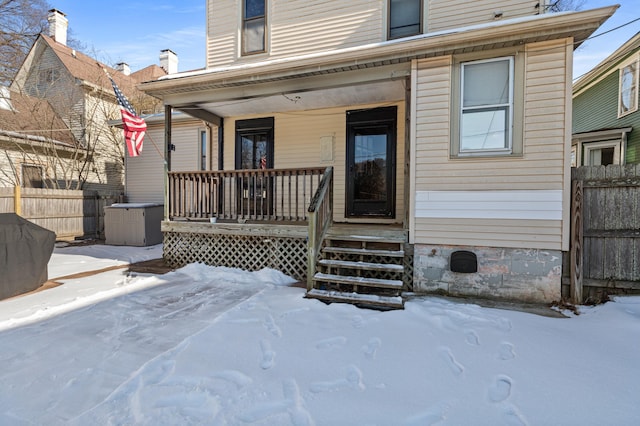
135,32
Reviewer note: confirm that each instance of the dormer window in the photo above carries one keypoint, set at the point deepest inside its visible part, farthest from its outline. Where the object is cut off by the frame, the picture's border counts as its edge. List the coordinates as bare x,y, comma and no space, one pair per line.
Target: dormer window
628,89
405,18
253,26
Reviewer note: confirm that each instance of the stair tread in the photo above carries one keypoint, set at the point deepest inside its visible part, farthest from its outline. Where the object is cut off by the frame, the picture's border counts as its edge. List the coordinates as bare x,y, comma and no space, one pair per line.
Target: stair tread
363,251
357,298
362,265
371,282
367,238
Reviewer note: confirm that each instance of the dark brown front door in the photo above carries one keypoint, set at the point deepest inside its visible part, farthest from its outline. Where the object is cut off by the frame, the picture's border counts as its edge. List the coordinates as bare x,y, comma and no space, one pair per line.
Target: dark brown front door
254,150
371,148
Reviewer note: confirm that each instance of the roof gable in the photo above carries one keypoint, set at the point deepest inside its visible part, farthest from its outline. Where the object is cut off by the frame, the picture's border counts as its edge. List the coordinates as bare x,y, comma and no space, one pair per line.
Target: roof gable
31,117
608,65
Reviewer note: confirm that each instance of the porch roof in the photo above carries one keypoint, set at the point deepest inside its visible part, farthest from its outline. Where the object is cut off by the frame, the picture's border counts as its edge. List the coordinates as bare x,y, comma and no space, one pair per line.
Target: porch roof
216,89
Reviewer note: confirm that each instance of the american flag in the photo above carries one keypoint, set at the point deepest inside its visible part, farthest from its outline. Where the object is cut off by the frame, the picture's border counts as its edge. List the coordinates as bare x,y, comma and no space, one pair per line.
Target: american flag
134,126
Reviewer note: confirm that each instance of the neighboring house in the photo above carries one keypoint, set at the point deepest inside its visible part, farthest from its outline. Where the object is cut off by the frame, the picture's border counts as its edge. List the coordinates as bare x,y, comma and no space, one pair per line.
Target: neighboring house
36,148
606,120
77,88
195,144
374,148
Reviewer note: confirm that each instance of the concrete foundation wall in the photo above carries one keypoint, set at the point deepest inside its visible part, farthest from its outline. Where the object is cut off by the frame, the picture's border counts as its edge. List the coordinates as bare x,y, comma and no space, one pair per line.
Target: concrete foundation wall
530,275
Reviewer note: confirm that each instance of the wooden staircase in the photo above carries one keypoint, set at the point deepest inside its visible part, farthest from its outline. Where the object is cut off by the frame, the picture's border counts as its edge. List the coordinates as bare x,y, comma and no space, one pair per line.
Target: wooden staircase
361,265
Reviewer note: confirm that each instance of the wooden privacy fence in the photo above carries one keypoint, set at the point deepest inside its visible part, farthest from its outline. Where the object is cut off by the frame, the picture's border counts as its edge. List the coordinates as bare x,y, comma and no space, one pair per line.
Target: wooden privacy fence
258,194
68,213
605,235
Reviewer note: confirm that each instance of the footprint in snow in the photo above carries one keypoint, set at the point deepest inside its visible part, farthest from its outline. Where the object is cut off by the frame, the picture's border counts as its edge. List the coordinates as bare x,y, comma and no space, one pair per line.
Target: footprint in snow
331,343
472,338
455,366
353,380
433,415
268,355
513,417
292,404
506,351
272,327
372,347
500,389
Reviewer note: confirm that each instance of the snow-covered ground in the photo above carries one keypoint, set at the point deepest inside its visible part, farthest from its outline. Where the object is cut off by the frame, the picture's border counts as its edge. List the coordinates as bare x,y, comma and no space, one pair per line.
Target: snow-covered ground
217,346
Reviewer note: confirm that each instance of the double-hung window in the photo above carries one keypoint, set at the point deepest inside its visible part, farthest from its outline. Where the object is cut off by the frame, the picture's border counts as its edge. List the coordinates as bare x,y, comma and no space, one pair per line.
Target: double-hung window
405,18
486,107
628,89
254,26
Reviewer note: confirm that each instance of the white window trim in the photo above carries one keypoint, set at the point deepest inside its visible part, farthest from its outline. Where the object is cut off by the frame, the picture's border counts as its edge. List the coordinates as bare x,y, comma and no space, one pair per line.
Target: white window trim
587,142
492,151
637,86
594,146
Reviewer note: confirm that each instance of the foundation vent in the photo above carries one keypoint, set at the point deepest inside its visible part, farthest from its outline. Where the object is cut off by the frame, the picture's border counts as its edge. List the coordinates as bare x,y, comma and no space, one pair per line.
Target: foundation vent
463,261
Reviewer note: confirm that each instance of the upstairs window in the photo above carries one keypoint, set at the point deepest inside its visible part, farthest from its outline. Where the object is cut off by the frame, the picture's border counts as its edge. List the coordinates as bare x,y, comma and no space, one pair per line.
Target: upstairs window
486,106
405,18
628,89
253,26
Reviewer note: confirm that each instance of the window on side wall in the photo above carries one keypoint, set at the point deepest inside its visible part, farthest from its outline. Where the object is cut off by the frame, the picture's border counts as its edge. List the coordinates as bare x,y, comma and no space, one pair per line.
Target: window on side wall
32,176
484,108
602,153
628,99
405,18
204,142
254,26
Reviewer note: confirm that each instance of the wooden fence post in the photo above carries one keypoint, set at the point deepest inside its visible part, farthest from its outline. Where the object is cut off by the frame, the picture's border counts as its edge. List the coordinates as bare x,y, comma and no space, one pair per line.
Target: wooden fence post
576,242
17,200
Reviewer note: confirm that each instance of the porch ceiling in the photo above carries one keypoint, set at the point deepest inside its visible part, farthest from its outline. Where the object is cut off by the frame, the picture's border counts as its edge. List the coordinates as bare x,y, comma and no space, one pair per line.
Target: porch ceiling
300,100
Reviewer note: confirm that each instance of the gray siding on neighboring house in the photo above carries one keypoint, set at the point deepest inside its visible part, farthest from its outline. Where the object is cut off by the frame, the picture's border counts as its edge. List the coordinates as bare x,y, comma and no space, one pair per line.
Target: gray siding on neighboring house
144,174
596,108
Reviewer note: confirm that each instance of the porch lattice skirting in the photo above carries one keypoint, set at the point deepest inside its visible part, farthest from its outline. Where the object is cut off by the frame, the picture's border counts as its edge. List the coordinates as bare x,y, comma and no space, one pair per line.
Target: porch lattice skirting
249,247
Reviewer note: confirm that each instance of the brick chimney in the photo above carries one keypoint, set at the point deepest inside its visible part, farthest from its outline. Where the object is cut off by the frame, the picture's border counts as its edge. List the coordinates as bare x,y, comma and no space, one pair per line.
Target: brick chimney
58,25
169,61
124,68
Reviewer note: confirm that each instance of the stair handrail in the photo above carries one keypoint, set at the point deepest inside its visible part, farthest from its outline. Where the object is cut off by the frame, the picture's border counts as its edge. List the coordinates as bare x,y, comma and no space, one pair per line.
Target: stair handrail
320,218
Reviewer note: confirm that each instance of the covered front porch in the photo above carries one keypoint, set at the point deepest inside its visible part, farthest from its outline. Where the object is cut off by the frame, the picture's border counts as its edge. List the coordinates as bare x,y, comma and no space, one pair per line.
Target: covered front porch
309,177
255,219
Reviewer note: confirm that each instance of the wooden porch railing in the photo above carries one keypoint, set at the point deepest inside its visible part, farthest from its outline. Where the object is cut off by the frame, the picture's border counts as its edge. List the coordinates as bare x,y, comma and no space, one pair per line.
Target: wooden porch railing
320,218
262,195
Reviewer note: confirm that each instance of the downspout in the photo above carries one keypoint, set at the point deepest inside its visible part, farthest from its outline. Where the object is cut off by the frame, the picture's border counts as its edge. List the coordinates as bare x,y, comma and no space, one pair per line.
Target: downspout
167,158
221,144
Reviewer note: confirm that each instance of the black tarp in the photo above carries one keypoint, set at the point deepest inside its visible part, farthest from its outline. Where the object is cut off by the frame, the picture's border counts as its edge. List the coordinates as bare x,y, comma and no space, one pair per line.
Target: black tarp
25,250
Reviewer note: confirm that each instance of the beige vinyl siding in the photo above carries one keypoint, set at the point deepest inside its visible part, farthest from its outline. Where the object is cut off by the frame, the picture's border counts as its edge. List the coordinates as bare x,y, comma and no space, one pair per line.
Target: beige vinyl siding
223,20
447,14
293,28
145,173
541,168
297,145
297,27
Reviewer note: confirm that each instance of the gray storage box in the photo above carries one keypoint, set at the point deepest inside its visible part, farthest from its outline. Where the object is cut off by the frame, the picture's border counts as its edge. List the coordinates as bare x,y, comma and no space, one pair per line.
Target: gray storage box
133,224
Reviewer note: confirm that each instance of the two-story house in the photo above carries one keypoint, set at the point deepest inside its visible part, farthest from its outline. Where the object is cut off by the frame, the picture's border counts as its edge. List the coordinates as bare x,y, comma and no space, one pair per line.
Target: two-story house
374,148
77,88
605,110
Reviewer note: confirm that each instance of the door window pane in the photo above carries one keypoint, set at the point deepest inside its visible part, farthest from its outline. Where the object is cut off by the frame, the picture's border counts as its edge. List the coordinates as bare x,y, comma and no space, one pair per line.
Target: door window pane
370,166
253,153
